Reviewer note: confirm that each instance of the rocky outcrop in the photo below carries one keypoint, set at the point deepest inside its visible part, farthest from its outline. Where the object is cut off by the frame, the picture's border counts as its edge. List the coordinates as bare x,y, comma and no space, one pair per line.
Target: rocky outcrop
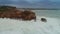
28,15
13,13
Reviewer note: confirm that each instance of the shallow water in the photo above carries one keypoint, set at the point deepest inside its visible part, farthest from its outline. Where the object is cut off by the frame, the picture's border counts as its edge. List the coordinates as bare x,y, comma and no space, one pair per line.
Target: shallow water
48,13
11,26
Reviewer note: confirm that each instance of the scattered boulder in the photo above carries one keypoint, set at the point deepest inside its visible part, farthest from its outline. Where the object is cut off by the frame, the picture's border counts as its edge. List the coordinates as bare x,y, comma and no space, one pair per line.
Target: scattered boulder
43,20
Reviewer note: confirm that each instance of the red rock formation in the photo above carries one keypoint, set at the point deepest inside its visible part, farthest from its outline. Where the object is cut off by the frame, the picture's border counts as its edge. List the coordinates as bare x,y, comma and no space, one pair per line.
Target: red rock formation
24,15
28,15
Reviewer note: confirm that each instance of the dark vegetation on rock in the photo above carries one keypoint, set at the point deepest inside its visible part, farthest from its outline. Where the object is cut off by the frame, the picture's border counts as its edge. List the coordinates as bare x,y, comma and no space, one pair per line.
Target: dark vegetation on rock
14,13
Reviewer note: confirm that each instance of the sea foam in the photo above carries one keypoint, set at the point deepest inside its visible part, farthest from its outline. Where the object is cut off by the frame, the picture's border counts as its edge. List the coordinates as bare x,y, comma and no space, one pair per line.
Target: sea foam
11,26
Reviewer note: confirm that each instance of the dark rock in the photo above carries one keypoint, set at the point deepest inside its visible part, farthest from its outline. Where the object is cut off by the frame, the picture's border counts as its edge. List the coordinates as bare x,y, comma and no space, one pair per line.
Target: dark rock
43,20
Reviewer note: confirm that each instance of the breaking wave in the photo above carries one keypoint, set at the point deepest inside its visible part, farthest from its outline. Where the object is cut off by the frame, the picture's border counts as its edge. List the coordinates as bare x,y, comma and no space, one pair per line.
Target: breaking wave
11,26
